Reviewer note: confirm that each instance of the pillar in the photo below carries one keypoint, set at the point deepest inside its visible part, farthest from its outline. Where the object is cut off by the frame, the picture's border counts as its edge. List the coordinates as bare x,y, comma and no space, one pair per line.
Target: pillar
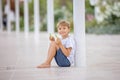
8,17
1,19
26,17
50,16
17,15
36,17
79,31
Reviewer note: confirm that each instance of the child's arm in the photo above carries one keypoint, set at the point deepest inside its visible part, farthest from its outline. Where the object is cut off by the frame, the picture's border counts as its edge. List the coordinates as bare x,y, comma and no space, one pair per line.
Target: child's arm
66,51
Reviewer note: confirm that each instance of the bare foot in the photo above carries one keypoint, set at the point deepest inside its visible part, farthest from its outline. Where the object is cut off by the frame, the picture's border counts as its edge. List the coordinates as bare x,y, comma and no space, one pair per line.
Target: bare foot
44,65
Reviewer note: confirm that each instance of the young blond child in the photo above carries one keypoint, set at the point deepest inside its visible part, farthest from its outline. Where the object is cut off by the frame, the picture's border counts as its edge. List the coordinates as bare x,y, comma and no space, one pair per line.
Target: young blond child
62,49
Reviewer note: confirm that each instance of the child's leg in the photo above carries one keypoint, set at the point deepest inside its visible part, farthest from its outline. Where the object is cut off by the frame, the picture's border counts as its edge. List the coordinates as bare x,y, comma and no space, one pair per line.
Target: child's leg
51,53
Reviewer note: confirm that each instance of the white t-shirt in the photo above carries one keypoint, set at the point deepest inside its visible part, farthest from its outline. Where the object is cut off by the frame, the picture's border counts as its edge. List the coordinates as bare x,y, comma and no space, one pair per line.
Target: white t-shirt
67,43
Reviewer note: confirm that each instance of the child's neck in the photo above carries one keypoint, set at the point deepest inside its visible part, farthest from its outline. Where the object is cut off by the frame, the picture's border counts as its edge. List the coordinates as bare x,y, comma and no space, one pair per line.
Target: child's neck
63,37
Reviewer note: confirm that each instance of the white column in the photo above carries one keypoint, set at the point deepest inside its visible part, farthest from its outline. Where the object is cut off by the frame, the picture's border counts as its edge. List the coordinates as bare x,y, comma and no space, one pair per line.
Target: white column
1,19
36,17
8,17
50,16
17,15
79,31
26,17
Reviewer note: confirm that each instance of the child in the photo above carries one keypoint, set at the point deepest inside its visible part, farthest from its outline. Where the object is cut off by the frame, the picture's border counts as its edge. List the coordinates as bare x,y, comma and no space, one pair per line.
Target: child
61,49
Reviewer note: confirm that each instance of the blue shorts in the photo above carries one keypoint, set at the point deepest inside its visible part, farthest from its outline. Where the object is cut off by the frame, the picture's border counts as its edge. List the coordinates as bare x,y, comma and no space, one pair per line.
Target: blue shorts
61,59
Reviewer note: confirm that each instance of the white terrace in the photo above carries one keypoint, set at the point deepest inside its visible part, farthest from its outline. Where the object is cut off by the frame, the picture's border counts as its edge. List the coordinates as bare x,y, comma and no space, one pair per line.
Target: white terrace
19,57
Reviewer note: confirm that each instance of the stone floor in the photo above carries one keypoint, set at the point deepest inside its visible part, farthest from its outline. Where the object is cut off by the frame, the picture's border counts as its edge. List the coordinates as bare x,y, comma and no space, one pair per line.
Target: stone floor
20,54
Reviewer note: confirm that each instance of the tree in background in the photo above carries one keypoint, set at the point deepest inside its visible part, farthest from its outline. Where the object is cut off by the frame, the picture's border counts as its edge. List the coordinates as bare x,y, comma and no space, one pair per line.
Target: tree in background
63,9
107,18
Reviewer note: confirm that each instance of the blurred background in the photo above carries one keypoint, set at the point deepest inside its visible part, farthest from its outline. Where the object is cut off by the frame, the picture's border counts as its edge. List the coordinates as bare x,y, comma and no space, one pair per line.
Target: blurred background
102,16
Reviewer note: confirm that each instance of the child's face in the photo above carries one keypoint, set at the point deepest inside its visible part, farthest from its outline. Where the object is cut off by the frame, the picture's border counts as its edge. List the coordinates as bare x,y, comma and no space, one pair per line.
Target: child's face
63,31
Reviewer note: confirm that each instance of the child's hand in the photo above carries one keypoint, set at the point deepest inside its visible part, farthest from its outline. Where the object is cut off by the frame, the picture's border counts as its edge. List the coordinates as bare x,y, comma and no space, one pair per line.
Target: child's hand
58,41
51,38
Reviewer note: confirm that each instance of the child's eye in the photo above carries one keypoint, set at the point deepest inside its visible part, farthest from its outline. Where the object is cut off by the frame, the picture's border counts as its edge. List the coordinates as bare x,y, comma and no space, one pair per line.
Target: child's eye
59,28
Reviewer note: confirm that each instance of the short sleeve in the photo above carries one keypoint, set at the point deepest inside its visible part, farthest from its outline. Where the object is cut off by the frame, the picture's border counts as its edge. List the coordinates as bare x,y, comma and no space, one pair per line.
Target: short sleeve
69,43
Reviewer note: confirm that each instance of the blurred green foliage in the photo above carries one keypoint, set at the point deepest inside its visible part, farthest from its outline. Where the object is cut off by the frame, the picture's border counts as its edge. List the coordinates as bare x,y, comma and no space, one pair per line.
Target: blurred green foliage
110,11
63,9
88,7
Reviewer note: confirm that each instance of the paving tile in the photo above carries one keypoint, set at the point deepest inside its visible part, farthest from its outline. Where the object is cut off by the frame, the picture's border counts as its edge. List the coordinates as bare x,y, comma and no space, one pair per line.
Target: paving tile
19,56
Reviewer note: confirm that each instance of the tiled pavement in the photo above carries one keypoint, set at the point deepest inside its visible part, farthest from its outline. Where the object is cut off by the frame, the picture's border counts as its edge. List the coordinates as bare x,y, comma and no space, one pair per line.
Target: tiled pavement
19,56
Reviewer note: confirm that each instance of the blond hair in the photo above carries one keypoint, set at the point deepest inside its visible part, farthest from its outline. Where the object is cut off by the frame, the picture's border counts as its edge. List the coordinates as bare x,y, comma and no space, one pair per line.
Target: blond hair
63,23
